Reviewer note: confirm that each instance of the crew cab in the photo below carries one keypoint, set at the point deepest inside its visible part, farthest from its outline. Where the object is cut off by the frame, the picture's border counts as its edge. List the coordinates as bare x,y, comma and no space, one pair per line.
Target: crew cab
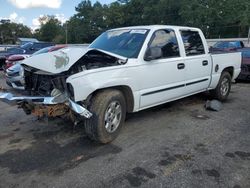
124,70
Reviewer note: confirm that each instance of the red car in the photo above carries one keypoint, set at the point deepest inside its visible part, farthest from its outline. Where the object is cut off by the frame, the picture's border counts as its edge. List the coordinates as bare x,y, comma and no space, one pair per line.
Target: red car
245,66
13,59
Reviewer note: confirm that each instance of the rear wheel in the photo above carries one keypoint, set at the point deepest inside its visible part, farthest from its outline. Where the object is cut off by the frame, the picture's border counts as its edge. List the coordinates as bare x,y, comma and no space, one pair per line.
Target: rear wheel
109,111
223,88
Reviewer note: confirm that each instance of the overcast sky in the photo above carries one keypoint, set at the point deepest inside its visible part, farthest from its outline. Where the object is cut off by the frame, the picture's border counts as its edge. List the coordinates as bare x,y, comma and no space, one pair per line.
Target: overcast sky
28,11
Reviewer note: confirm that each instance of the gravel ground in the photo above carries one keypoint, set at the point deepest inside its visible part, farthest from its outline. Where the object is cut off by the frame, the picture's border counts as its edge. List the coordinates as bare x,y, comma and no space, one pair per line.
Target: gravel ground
178,144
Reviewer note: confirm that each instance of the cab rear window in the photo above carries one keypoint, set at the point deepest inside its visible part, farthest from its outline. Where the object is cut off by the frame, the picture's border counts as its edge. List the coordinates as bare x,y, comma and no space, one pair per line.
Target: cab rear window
192,43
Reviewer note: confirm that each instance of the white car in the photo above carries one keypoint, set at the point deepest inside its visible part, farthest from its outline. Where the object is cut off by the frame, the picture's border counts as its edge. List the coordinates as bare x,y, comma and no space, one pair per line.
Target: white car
124,70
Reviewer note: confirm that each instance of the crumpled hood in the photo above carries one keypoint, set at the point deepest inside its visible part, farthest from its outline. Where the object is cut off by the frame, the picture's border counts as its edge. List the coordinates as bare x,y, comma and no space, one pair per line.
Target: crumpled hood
61,60
57,61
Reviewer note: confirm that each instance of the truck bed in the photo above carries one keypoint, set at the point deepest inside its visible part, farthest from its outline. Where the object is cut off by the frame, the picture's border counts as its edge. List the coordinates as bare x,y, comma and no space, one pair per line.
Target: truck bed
225,60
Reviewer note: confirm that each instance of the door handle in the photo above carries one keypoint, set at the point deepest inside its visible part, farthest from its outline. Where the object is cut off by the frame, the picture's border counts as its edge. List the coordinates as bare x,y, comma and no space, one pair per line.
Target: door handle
205,63
181,66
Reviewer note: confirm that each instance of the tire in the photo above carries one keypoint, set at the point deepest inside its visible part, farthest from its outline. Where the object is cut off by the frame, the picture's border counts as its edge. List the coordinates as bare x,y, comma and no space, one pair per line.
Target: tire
1,66
105,125
223,88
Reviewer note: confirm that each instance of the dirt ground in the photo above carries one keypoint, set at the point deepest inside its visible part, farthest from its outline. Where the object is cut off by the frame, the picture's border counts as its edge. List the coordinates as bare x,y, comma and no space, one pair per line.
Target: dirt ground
178,144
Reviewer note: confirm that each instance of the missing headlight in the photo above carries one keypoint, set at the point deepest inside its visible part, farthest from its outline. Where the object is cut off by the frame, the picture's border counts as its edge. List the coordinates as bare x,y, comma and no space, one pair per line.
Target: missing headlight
21,74
21,71
70,91
59,97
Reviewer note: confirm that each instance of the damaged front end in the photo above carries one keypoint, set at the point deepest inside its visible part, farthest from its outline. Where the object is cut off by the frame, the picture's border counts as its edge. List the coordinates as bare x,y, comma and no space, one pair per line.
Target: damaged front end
45,75
46,96
46,106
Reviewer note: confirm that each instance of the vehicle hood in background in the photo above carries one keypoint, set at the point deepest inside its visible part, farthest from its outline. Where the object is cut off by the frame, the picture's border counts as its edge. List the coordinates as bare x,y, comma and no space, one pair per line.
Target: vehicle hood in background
17,57
61,60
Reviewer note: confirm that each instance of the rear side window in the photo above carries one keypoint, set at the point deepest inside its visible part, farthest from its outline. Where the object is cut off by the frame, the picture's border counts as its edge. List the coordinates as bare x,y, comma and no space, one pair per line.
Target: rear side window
166,40
192,43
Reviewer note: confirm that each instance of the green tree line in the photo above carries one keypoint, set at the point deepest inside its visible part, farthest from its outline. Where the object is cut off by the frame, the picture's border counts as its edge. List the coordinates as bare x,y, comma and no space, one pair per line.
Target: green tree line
10,31
225,18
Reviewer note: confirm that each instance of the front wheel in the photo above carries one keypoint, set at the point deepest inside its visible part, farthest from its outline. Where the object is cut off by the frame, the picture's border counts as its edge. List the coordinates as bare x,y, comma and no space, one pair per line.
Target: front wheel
223,88
109,111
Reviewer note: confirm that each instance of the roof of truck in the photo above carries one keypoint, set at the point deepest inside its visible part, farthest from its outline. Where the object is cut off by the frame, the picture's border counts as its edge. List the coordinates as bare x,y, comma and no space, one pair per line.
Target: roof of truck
155,27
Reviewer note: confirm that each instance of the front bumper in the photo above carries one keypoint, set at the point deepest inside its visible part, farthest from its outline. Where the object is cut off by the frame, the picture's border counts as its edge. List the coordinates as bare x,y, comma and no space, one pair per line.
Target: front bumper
13,100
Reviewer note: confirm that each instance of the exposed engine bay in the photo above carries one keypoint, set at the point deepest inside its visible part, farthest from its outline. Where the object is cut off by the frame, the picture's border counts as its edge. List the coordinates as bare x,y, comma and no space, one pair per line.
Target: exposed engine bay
95,59
49,85
42,83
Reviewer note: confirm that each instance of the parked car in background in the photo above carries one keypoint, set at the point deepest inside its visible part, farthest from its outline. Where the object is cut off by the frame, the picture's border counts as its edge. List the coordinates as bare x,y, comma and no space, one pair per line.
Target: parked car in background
28,48
227,46
22,41
245,64
13,77
13,59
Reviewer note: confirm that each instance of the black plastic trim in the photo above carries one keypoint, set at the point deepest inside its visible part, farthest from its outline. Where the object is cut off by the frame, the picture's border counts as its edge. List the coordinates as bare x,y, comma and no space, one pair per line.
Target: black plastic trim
161,90
174,87
196,82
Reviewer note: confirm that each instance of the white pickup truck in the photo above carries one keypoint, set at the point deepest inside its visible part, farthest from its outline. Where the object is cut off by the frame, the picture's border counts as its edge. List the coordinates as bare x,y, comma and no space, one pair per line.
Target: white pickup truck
124,70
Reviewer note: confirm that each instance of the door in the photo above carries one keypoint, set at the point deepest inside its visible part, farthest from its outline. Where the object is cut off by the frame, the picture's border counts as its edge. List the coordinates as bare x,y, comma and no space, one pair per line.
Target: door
197,60
163,78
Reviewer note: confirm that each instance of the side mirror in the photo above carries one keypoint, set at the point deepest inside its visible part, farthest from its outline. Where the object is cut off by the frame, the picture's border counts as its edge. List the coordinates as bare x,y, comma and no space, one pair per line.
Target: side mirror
153,53
32,48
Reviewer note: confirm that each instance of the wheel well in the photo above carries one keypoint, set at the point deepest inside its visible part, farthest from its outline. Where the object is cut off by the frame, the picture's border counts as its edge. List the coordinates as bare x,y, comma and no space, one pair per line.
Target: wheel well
127,92
230,70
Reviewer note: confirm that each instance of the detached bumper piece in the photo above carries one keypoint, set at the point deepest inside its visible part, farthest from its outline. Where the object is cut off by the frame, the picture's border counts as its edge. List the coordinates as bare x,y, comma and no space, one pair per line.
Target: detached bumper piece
14,100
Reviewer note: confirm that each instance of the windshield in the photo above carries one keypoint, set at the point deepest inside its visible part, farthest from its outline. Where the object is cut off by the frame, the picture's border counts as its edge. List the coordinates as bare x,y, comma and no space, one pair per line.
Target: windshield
27,45
125,42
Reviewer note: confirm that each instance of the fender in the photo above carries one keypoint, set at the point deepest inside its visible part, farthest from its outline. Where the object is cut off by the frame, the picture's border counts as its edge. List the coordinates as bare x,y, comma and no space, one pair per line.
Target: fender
87,82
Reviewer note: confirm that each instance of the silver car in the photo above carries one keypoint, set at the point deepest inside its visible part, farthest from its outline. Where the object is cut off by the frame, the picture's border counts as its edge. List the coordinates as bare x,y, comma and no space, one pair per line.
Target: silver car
14,77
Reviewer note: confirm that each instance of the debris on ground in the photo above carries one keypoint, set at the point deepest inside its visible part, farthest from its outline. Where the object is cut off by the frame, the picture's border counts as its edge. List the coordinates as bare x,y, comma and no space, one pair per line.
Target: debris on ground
213,105
78,158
